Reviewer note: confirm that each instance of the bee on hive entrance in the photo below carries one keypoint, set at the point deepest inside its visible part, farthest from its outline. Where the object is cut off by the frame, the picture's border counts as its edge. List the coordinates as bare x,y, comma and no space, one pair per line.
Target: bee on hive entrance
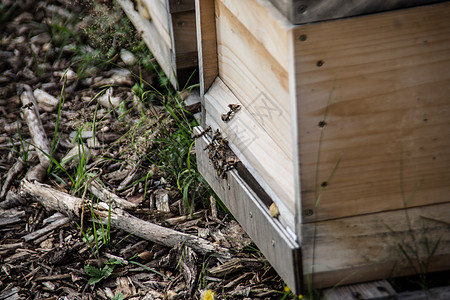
230,114
202,133
221,156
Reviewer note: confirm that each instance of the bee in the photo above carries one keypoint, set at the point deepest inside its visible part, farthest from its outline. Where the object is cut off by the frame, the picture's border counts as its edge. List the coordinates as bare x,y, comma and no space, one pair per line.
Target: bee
29,105
230,114
202,133
220,173
227,117
217,135
234,107
223,143
220,155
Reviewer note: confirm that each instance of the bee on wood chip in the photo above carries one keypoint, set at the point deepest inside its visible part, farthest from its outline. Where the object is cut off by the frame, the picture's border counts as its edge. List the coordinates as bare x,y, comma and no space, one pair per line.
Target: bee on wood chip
29,105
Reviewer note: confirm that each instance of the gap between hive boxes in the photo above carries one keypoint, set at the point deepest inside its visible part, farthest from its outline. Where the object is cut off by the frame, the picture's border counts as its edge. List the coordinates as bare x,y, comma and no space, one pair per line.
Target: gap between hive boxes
157,45
169,36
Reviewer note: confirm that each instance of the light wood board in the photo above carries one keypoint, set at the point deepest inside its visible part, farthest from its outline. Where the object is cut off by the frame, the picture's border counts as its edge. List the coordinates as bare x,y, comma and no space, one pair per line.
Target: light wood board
381,83
207,48
160,15
364,248
380,289
253,63
266,162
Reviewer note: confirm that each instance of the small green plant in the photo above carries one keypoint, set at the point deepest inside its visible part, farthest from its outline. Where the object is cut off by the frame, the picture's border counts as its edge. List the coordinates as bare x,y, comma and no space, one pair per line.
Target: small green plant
98,274
202,278
418,257
118,296
24,150
174,142
109,30
7,12
176,154
100,232
97,233
147,268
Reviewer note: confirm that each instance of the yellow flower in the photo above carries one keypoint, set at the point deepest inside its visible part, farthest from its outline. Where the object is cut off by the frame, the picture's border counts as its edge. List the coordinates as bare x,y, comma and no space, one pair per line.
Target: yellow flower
300,296
208,295
286,289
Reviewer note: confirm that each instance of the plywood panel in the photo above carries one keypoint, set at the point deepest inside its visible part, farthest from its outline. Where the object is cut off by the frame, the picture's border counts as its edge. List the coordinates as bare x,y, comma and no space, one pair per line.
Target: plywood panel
374,91
253,62
263,158
363,248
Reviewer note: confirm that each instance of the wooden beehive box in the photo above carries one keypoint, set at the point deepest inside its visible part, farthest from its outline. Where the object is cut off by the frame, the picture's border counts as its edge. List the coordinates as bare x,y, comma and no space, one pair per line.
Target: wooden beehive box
168,29
344,125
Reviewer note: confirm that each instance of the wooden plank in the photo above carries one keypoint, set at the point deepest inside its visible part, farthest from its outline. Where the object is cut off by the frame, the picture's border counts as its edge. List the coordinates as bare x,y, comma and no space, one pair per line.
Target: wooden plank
265,161
206,43
368,247
305,11
380,289
160,15
176,6
184,32
272,239
186,60
254,74
374,91
439,293
156,44
265,23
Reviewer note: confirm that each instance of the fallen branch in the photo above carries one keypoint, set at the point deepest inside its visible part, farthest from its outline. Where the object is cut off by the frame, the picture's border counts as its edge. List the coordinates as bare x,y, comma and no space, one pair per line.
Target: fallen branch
105,195
31,115
52,199
71,206
37,132
12,174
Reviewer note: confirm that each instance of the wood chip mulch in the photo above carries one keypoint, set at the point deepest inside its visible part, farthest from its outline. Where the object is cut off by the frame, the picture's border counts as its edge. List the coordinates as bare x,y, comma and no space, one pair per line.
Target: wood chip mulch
43,254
